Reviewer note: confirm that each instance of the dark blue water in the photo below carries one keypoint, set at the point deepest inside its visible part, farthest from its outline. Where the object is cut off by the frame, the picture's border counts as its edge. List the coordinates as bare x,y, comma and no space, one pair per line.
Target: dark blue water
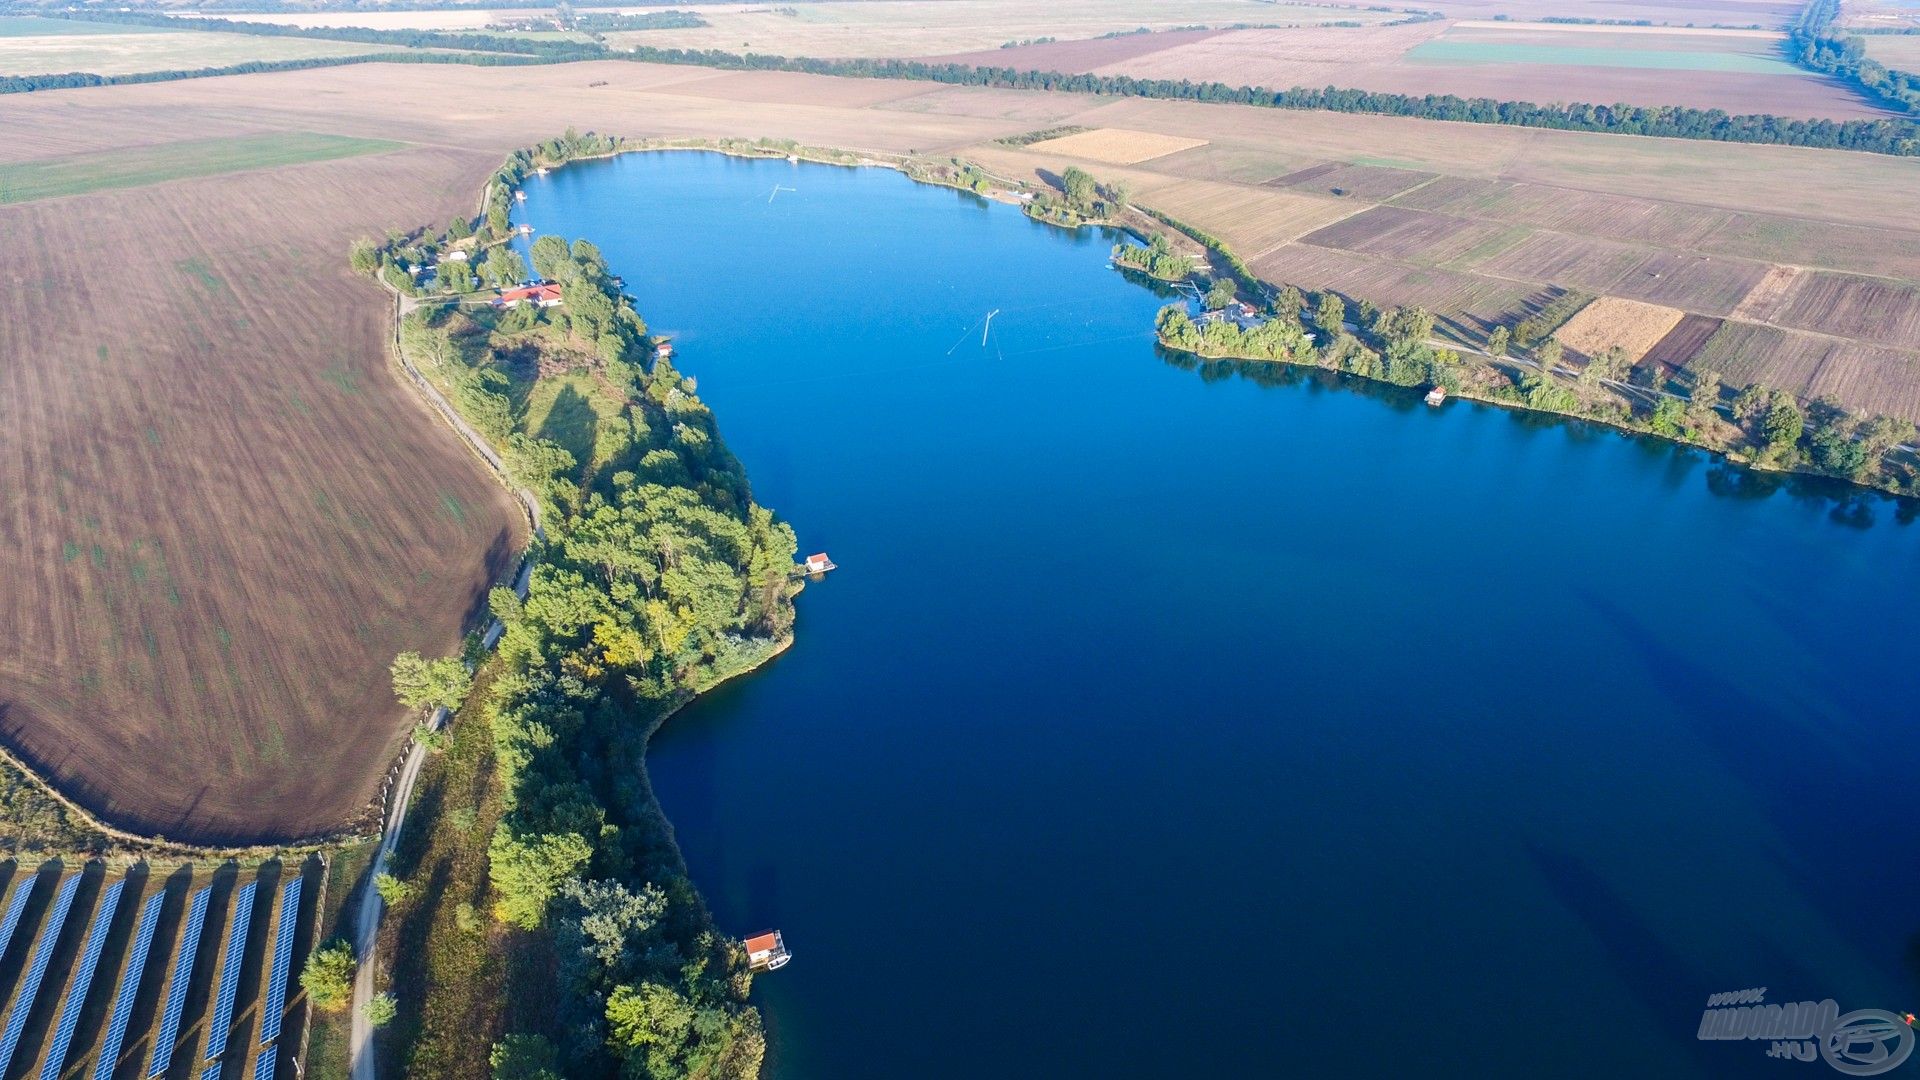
1163,721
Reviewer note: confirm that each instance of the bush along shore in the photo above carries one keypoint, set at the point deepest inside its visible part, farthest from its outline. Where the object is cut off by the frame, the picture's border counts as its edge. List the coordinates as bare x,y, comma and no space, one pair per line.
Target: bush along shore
1525,366
544,922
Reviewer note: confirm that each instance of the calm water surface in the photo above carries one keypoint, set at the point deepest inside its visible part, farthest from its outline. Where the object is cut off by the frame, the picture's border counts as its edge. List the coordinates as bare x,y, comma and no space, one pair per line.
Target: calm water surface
1166,721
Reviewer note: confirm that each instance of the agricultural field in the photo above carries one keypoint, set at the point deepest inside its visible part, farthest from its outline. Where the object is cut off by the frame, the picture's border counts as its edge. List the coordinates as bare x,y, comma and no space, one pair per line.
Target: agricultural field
1115,146
78,174
1612,323
1898,51
1740,71
35,46
924,28
221,514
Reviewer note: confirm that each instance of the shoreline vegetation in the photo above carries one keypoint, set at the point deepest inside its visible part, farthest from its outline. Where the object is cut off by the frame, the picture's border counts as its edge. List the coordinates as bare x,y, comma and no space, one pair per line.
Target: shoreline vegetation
1895,135
542,921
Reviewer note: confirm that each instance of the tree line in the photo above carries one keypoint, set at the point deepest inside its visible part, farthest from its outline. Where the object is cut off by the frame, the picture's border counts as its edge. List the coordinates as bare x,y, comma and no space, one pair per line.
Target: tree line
1818,41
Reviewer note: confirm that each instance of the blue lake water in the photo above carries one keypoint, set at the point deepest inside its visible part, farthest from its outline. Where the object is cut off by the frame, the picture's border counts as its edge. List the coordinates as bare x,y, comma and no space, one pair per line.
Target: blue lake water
1175,720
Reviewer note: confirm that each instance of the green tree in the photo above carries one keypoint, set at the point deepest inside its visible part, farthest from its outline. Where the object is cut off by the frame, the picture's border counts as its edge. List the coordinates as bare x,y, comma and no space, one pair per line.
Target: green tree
527,872
1669,417
1704,399
552,260
459,228
1751,403
1331,314
524,1057
455,276
391,889
1499,341
504,267
1289,304
419,683
364,256
328,976
380,1009
1081,191
1783,424
1221,293
1549,355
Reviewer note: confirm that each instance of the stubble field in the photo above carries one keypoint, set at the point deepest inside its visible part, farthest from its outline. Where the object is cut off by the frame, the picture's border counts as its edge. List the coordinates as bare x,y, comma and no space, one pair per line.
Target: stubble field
221,515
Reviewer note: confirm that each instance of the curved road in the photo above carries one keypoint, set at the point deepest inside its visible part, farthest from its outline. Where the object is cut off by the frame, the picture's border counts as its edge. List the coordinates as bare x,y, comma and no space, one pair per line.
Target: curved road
367,917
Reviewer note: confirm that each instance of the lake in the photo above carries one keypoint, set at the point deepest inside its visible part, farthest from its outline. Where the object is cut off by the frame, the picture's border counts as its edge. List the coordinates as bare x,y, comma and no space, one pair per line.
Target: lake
1168,719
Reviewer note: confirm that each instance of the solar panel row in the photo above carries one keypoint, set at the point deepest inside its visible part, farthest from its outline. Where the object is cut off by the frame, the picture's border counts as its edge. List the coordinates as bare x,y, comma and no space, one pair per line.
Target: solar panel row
177,989
15,907
263,1068
36,970
211,1072
230,971
282,962
82,982
129,988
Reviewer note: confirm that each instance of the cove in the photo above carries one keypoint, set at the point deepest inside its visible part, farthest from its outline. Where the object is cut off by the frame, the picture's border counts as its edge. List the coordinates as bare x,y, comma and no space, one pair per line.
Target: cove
1202,720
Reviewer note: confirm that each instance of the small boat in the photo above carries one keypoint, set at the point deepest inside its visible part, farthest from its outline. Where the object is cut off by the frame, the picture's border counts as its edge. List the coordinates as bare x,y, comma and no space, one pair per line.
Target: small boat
1436,395
767,951
542,170
520,196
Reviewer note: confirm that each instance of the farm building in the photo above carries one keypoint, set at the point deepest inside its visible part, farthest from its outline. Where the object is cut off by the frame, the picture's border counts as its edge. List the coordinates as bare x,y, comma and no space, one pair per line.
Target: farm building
542,295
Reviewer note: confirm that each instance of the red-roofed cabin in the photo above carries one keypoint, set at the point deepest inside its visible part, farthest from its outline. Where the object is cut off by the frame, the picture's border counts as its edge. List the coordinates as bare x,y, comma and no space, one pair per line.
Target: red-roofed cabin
539,295
819,563
767,951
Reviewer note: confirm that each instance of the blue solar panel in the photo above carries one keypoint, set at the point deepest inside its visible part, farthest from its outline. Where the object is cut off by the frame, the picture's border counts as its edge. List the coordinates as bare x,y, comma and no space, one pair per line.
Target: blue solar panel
230,972
211,1072
129,988
82,982
15,908
263,1068
36,970
282,963
177,989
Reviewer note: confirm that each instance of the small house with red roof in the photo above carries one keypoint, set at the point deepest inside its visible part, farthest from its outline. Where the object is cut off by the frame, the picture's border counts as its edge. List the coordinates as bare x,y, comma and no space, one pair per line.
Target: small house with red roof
542,295
767,951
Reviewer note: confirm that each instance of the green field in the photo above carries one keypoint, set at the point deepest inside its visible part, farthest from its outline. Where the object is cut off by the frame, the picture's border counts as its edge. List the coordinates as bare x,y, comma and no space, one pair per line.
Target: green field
1465,52
36,26
138,165
124,50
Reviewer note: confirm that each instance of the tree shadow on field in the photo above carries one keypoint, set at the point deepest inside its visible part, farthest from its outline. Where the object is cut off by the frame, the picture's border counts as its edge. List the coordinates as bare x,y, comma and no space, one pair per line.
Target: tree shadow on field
499,562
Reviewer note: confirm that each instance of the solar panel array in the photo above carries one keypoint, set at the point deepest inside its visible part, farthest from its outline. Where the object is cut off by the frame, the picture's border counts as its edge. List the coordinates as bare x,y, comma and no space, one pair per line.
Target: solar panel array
263,1068
282,963
82,982
129,988
36,970
211,1072
230,971
177,990
15,907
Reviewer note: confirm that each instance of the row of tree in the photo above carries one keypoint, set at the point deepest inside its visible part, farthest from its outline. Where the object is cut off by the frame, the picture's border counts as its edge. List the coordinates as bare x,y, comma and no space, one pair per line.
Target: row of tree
1819,41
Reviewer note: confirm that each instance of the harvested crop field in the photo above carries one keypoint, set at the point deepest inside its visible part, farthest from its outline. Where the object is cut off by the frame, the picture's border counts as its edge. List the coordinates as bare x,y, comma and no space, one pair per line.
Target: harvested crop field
137,166
1872,309
936,28
1739,72
1613,323
1407,234
1865,378
222,514
1462,303
1684,341
144,50
1369,183
1117,146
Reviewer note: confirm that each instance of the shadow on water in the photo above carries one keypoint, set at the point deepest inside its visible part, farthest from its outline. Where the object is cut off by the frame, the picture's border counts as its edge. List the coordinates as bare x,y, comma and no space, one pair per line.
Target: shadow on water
1847,505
